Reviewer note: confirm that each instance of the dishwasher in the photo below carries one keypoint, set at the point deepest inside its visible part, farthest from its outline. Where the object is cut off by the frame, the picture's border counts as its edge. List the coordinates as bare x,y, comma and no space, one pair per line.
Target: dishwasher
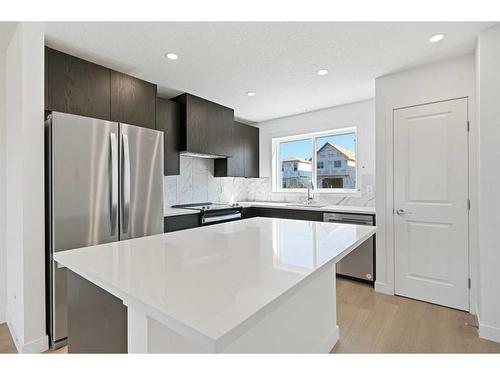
360,263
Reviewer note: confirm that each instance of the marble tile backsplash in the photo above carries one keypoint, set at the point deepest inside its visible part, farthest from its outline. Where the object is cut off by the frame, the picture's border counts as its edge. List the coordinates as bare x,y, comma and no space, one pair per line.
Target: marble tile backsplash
196,183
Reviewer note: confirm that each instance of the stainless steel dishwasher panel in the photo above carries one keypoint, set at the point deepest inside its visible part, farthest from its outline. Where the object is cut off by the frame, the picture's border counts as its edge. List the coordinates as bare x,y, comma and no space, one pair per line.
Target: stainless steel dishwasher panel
359,264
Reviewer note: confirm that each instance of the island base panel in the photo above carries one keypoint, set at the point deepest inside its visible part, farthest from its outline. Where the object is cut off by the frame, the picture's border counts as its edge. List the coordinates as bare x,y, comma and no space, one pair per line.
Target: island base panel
97,320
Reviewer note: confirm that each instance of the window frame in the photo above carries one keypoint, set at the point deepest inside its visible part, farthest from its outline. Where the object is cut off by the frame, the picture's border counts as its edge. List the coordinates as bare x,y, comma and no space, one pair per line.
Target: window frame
276,165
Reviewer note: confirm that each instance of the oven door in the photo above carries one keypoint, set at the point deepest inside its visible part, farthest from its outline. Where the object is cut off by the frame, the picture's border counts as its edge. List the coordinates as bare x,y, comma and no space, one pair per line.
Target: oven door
220,216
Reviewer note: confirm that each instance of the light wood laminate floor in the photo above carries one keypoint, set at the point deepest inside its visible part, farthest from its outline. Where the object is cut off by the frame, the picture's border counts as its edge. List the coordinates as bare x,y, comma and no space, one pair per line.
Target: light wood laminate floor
377,323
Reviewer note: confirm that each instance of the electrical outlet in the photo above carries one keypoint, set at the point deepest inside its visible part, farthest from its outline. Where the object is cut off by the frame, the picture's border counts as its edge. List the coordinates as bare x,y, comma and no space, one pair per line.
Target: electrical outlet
369,189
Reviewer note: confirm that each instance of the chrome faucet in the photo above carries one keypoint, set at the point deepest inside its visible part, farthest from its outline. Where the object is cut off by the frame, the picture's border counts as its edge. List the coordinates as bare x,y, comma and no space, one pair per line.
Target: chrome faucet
310,192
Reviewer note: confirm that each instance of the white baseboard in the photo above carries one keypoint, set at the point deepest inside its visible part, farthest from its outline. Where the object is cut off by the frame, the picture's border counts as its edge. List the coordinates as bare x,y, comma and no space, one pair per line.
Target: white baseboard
2,317
328,344
487,332
384,288
38,345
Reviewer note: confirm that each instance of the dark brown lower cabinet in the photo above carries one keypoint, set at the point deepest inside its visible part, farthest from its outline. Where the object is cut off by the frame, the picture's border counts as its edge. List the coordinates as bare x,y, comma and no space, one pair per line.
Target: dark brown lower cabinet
282,213
97,320
180,222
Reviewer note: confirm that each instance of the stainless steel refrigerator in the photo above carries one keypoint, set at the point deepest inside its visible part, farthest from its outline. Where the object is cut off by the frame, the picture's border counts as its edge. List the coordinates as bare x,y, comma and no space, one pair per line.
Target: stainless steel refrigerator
104,184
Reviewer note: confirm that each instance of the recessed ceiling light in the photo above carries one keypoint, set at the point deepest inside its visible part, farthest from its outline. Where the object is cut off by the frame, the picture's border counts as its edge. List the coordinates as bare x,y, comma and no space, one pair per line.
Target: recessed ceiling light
172,56
322,72
436,38
250,93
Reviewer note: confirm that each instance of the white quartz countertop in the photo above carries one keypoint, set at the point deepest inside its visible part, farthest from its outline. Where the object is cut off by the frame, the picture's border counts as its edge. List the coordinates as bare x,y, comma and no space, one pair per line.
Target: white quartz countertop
326,208
210,280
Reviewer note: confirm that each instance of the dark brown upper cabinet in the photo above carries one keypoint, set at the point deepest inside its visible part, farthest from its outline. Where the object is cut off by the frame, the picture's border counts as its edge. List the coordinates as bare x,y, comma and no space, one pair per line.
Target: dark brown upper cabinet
251,140
76,86
79,87
205,126
244,161
168,121
133,101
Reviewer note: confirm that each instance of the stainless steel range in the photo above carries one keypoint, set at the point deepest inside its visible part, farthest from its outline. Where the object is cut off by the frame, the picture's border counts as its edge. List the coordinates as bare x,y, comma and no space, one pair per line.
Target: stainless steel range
214,213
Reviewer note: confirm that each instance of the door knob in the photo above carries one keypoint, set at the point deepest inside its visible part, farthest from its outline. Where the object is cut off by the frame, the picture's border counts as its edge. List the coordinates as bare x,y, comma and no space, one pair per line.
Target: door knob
402,212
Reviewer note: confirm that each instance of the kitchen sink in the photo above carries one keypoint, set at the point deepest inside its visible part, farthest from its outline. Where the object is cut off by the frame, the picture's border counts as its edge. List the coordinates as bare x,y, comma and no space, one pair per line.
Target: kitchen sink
305,205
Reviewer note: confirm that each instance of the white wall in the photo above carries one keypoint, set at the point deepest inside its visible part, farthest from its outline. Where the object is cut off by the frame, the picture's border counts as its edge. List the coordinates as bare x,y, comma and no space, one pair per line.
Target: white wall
488,58
3,278
359,114
25,313
450,79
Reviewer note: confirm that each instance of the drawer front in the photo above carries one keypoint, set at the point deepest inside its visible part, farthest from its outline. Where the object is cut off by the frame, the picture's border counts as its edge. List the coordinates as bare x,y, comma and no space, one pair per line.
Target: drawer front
180,222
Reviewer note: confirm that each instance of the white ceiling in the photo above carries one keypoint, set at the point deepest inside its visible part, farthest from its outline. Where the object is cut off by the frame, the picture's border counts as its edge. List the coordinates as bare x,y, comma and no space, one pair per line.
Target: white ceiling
278,60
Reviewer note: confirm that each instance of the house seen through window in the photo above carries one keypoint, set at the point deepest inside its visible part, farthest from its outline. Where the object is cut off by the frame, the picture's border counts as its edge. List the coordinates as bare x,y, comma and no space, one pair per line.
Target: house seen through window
326,159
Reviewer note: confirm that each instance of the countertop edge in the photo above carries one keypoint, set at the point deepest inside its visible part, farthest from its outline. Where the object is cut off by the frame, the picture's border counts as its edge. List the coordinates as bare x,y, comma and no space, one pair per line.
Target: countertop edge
247,323
364,210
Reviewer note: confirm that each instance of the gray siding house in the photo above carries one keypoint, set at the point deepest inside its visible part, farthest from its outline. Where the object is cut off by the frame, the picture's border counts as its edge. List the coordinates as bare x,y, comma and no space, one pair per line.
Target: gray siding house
295,173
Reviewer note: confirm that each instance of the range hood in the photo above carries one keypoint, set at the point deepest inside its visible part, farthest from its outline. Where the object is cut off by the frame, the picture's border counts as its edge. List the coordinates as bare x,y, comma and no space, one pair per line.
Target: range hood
206,128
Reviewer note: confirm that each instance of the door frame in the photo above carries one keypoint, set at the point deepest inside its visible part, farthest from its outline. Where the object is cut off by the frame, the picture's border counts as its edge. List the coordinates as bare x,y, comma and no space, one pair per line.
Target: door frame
392,212
450,79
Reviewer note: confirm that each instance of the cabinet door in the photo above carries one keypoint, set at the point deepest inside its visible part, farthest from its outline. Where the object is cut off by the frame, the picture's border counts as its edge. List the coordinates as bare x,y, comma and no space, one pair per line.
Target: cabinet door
207,125
286,213
133,101
168,121
236,163
196,126
76,86
251,147
233,166
224,131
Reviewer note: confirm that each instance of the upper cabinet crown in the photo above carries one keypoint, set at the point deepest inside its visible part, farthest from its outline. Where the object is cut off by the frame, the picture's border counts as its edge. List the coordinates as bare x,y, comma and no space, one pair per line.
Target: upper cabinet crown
77,86
205,126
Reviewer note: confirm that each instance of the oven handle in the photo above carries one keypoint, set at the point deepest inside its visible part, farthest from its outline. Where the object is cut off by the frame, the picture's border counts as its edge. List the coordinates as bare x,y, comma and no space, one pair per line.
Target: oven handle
213,219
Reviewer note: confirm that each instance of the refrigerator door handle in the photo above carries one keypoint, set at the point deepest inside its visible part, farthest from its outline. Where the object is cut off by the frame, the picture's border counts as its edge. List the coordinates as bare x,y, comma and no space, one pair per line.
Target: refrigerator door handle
114,182
126,183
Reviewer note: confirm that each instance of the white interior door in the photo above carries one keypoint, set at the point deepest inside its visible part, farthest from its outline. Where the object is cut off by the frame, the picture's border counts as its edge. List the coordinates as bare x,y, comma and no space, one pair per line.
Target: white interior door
431,203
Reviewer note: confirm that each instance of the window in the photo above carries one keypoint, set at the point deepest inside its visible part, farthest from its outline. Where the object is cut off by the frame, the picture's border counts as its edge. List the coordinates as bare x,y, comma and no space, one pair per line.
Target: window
328,159
295,158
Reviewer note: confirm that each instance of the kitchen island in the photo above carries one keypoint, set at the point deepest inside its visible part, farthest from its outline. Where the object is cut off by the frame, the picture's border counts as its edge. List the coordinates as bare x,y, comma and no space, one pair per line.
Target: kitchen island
256,285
